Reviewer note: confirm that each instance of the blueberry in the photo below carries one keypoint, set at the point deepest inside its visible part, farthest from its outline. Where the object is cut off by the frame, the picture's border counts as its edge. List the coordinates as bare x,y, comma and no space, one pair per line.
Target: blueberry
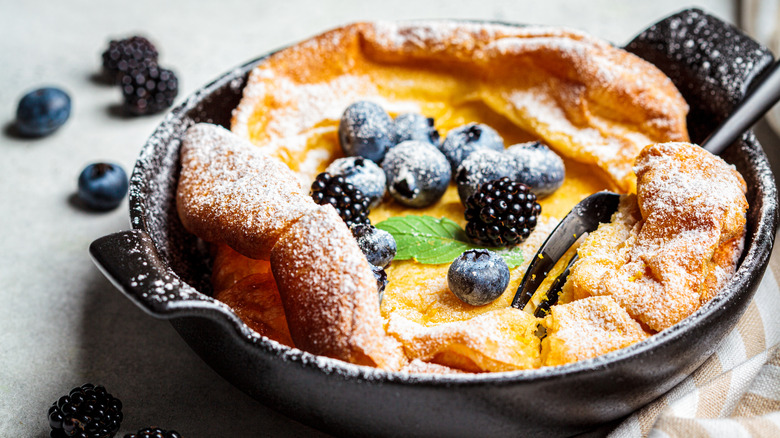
462,141
378,245
482,166
363,174
478,277
42,111
417,173
414,126
539,167
366,130
102,186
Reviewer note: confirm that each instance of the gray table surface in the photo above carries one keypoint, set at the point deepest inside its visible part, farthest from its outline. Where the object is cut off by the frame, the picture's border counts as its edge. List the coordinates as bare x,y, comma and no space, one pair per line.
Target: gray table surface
61,322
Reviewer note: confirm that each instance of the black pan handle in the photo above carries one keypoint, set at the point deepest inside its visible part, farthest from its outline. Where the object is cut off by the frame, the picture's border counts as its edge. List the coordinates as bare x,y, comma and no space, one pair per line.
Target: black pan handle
758,101
131,261
693,47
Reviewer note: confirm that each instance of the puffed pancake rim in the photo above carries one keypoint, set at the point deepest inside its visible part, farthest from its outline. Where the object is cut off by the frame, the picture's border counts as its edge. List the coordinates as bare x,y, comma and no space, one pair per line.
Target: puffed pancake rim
225,194
586,99
330,294
231,193
663,263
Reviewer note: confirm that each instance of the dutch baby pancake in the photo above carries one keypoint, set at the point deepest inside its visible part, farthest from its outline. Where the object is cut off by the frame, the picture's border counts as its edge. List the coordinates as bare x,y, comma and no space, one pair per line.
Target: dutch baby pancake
294,271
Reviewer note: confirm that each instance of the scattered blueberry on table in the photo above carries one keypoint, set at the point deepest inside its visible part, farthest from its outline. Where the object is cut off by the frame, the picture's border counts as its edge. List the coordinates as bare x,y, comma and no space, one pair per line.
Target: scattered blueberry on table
478,276
42,111
102,186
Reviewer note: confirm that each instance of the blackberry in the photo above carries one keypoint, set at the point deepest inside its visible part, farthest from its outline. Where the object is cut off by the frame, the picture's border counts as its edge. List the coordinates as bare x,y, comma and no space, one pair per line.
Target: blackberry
87,411
149,90
350,202
502,212
153,432
129,54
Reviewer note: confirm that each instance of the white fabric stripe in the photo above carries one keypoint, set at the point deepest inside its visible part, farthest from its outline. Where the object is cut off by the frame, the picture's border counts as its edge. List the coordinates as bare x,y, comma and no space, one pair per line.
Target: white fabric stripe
774,417
627,429
768,300
741,377
767,383
655,433
731,352
686,405
724,429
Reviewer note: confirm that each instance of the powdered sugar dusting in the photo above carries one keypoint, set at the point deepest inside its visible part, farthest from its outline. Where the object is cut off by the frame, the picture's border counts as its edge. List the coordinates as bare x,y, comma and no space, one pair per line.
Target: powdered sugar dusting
685,244
225,194
587,328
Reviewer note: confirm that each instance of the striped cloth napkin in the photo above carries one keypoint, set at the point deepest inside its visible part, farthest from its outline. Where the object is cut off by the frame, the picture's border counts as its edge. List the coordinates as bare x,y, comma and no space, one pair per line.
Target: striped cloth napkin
736,392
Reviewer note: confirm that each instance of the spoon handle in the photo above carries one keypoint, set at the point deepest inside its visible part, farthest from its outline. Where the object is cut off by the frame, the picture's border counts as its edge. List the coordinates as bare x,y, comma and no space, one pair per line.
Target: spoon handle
753,107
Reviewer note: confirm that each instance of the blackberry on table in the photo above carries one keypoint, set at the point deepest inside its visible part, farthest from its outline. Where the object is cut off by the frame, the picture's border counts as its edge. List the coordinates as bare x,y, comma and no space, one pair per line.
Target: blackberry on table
349,202
126,55
502,212
87,411
153,432
149,90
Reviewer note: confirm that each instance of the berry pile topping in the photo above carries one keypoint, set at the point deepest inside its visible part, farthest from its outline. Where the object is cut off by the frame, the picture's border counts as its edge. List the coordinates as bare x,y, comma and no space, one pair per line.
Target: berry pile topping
378,245
87,411
539,168
153,432
349,202
42,111
462,141
102,186
414,126
149,90
364,174
129,54
501,213
417,173
366,130
478,277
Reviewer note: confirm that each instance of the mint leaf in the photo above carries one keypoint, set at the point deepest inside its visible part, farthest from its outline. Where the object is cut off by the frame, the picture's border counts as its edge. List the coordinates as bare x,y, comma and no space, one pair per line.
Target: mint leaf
433,241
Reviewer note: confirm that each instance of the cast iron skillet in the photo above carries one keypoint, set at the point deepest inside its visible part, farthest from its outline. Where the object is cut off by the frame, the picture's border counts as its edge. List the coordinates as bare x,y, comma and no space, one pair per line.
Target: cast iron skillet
165,271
